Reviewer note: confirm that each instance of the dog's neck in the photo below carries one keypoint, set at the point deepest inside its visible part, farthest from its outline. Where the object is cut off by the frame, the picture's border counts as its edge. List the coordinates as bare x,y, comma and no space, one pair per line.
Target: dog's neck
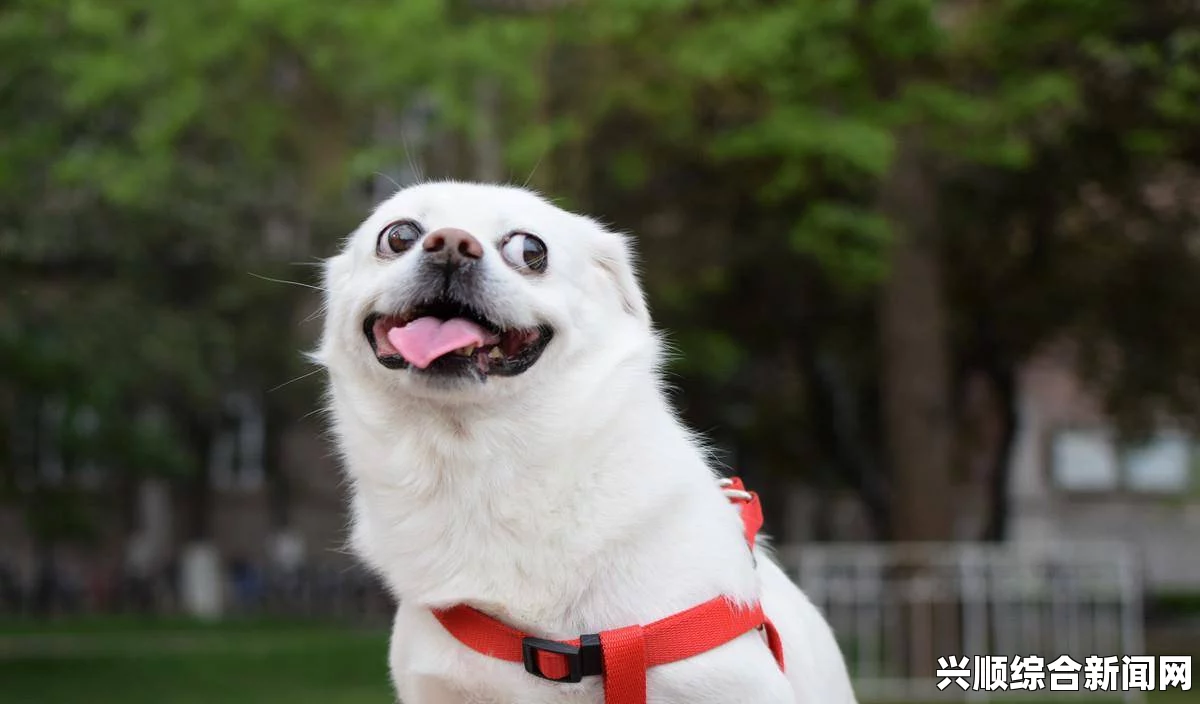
449,501
434,452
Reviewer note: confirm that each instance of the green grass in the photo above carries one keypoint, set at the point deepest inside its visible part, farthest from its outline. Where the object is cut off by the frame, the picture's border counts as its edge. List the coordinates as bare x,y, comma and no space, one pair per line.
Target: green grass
181,663
128,661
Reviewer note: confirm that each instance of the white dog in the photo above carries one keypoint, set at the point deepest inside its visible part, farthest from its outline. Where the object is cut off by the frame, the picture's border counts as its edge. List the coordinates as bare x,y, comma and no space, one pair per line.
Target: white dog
497,401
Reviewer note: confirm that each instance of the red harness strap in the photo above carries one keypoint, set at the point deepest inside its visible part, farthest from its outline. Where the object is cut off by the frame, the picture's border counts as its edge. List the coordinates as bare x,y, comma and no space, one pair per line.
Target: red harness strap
752,515
622,655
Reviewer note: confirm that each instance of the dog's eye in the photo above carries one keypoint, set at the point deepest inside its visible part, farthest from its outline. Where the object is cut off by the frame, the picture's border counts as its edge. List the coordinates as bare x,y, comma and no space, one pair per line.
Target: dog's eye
398,238
524,251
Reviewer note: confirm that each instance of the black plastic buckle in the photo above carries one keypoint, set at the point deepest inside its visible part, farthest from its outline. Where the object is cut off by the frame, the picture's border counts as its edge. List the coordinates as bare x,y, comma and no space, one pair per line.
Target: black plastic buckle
582,661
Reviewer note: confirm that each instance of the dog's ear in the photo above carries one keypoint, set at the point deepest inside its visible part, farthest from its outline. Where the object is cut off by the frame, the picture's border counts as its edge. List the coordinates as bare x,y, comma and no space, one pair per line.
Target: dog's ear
616,261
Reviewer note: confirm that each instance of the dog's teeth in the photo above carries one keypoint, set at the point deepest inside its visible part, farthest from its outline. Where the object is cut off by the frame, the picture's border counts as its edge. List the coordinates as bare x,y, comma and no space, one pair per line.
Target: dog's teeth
467,351
495,353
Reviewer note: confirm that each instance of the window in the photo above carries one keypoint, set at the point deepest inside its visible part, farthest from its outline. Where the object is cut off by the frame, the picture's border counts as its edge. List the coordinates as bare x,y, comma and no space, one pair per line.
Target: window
1160,465
1090,460
87,427
51,446
1085,460
51,460
237,453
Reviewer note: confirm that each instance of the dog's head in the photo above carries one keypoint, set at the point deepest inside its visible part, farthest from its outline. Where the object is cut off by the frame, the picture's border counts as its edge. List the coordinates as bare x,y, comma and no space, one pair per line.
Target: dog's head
460,292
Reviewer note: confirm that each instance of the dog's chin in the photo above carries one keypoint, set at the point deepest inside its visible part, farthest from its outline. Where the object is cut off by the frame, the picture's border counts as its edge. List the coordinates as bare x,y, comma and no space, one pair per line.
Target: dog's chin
412,343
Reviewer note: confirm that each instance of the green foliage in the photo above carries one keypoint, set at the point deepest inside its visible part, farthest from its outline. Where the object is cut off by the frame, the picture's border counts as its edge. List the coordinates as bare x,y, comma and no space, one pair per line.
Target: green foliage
848,242
709,353
149,151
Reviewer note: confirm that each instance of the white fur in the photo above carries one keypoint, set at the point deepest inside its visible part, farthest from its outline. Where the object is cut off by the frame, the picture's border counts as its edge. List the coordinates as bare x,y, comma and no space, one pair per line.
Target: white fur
566,500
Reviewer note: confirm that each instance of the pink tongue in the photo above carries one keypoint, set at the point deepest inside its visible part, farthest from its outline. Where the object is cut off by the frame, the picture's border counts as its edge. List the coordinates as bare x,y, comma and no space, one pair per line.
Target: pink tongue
425,339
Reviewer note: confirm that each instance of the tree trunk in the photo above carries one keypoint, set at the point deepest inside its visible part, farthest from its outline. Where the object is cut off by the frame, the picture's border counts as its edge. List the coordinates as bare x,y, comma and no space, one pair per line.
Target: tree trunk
916,386
279,492
198,496
1004,391
916,373
836,426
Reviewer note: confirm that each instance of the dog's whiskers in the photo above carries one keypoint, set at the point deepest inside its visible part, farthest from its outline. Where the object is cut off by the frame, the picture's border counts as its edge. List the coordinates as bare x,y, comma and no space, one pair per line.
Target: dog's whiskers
286,281
533,171
292,381
412,164
315,314
393,181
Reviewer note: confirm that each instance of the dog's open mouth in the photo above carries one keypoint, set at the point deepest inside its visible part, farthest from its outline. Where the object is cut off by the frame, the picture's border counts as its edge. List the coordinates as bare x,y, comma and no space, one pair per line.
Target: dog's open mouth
448,337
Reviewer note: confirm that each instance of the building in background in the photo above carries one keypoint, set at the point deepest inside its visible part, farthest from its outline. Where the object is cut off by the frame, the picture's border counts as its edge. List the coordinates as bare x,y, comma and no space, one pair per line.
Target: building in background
1073,480
1070,481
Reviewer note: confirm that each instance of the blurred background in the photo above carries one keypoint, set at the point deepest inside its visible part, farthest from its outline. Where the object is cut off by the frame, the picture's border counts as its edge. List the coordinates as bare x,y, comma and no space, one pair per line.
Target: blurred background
931,272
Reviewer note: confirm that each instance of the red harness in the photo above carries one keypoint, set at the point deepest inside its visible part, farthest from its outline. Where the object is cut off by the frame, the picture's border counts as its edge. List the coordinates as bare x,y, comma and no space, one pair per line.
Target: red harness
621,655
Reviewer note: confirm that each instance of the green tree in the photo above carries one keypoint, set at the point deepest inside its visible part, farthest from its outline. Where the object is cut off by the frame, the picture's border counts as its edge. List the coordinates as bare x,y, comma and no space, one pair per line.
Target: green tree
159,161
907,148
849,210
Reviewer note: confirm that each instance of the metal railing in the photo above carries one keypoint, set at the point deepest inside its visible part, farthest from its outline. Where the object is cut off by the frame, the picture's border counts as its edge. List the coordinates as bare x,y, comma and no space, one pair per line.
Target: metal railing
906,614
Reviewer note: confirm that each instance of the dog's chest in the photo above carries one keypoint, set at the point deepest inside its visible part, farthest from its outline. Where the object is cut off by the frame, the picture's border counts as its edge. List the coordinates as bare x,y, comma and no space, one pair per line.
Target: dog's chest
477,550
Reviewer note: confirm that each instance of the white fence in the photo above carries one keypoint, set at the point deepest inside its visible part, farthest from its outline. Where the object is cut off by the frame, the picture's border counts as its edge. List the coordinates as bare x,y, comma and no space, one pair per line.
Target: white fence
898,608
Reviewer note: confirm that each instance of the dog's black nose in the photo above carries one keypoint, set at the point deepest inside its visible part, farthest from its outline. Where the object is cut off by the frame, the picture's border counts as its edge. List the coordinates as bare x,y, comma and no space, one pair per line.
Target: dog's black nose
453,245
